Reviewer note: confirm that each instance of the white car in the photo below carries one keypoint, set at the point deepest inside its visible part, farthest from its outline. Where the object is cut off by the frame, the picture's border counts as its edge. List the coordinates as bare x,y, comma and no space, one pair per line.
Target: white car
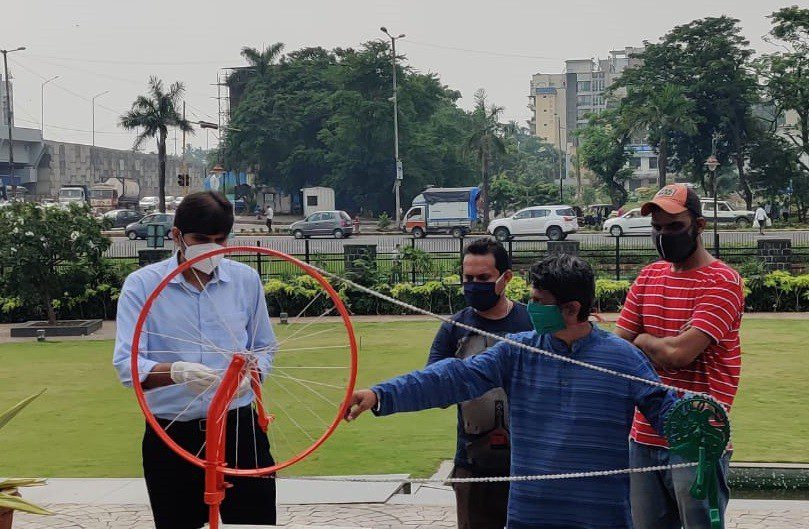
630,223
148,203
555,222
175,202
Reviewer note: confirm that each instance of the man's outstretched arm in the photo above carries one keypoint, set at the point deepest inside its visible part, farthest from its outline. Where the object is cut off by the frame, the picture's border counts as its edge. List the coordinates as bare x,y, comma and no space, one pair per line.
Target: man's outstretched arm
440,384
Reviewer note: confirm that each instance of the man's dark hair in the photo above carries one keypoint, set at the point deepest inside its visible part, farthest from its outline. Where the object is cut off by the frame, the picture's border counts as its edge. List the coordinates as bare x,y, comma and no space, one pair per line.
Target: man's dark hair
204,212
568,278
484,246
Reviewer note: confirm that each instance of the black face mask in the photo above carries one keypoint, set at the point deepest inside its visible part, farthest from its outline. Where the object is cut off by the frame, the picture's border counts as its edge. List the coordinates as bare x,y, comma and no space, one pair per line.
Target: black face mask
676,247
481,296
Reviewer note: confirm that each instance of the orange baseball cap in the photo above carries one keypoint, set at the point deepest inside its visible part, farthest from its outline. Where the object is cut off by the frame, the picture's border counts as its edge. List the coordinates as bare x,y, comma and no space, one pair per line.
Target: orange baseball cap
674,199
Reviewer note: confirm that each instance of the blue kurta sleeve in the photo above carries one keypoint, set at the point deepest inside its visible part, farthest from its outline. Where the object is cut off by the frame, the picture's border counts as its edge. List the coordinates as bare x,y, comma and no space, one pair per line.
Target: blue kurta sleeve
446,382
653,402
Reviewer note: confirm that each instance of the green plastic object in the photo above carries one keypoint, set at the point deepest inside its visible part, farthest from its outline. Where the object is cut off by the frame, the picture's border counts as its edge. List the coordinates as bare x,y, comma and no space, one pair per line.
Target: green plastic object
155,235
698,430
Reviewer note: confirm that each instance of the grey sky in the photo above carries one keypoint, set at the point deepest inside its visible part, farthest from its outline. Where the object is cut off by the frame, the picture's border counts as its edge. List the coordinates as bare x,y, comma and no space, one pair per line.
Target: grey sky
96,45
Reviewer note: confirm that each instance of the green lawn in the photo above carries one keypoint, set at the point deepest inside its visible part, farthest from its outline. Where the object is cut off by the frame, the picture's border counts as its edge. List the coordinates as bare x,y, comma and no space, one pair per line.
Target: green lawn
88,425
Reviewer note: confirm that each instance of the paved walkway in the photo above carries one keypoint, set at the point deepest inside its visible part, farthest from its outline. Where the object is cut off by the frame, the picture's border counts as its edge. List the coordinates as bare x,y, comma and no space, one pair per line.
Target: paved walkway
370,516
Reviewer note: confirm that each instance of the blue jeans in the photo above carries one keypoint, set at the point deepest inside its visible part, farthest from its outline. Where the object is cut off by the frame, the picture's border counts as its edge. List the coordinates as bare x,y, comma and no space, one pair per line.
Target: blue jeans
662,500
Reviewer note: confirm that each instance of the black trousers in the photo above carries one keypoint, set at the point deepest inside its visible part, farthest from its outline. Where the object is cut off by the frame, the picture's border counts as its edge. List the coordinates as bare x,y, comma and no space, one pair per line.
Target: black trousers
480,505
176,487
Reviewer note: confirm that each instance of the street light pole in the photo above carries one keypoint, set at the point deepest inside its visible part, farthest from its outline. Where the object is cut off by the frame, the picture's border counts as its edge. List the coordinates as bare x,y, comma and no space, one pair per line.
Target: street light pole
559,139
712,163
92,150
10,123
94,113
397,184
42,104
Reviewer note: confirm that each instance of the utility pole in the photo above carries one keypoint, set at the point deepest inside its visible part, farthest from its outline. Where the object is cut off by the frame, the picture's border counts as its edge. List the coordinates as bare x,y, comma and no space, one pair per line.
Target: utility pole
561,154
183,168
397,184
10,122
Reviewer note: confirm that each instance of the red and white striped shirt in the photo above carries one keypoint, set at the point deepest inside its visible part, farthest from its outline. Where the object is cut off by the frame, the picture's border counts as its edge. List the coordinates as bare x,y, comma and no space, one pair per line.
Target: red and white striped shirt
711,299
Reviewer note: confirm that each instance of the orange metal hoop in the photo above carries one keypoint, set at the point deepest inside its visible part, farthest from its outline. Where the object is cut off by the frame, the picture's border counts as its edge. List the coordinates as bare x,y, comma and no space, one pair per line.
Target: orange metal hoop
219,466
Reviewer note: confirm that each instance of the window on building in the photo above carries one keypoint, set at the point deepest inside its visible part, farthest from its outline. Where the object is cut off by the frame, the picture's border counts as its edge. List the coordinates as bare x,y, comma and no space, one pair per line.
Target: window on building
652,163
634,163
311,200
584,101
583,86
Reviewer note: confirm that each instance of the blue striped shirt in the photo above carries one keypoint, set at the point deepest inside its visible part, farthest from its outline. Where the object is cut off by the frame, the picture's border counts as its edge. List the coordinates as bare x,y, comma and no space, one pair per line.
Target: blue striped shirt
564,418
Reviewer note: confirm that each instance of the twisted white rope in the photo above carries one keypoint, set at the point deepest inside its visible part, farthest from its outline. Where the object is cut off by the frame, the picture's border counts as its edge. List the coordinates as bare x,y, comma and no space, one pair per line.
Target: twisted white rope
494,479
505,339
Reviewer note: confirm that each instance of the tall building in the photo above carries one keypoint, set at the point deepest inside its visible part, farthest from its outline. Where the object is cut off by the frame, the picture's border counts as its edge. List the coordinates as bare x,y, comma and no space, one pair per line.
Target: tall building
561,103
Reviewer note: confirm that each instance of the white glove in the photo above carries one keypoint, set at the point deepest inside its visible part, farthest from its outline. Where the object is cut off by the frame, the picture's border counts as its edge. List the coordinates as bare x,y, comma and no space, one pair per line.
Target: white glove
244,386
196,377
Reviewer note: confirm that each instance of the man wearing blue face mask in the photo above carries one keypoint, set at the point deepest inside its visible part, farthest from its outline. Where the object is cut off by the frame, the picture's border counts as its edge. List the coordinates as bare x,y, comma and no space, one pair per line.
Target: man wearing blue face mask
216,305
483,438
563,418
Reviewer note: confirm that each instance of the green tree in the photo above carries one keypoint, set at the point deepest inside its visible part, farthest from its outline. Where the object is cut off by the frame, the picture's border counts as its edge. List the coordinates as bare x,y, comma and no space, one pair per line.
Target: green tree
710,60
603,149
786,74
660,114
485,141
43,250
152,115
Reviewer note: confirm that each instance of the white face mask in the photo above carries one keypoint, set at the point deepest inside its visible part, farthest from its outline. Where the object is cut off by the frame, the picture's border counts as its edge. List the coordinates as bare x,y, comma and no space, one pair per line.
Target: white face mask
206,266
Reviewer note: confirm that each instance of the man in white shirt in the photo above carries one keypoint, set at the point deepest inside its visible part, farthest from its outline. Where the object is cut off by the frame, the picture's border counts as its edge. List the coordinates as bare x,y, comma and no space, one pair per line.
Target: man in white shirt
761,219
217,305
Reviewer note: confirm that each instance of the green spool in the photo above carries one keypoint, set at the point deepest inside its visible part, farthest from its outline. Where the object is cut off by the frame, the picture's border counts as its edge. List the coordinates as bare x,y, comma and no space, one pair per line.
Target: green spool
698,430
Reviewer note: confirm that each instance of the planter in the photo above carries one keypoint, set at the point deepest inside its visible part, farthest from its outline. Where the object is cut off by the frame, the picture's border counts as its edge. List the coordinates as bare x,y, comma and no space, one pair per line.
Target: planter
61,328
7,515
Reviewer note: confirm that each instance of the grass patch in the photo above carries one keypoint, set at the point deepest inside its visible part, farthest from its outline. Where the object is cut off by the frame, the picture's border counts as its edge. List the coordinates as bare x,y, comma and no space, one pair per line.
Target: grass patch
87,425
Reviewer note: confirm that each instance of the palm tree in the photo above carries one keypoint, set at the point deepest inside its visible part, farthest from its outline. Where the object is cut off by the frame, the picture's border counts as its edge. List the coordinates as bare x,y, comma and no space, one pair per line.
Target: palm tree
661,114
485,141
260,62
152,115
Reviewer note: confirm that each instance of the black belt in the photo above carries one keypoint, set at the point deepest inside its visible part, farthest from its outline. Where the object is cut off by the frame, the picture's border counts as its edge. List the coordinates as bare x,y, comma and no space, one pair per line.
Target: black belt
243,413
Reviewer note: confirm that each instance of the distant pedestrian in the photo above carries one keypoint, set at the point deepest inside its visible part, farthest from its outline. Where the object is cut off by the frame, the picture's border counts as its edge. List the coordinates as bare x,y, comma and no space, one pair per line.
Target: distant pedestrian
356,224
760,221
269,214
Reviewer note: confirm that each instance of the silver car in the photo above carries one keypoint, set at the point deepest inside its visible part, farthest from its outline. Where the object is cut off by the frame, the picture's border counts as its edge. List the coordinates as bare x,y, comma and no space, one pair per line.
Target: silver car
335,223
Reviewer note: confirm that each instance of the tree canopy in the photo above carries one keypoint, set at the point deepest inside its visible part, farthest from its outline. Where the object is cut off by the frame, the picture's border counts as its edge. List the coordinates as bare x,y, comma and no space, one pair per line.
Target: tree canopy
325,117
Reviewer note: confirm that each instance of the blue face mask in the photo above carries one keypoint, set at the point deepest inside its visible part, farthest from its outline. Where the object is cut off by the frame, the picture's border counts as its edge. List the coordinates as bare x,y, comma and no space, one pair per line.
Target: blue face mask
481,295
546,318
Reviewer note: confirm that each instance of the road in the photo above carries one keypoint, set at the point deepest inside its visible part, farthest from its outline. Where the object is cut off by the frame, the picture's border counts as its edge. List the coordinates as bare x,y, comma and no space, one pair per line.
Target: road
387,243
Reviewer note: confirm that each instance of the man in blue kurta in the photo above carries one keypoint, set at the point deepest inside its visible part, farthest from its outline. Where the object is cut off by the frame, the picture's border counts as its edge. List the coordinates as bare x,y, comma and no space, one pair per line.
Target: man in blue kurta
564,418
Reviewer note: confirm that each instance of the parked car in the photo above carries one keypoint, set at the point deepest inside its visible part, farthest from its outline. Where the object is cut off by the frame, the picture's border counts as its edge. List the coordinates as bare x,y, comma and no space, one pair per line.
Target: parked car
630,223
170,201
176,202
725,213
137,230
335,223
148,203
121,218
555,222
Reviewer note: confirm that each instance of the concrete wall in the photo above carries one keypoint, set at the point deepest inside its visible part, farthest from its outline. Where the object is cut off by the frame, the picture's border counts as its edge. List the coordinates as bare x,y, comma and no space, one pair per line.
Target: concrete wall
71,164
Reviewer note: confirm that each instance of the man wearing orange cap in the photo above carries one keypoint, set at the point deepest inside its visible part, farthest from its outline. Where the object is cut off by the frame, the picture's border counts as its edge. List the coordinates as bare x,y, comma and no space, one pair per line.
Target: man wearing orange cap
684,313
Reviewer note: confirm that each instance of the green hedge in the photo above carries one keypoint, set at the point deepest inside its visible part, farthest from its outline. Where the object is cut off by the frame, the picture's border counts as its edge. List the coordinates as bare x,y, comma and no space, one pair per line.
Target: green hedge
765,292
